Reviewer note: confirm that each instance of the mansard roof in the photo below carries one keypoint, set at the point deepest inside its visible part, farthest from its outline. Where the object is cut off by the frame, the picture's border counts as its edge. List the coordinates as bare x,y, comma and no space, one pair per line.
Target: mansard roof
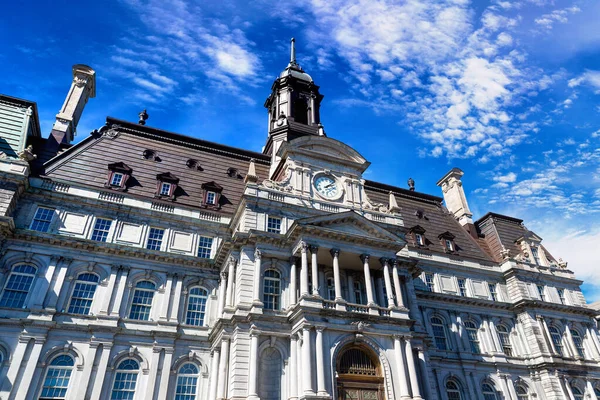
124,142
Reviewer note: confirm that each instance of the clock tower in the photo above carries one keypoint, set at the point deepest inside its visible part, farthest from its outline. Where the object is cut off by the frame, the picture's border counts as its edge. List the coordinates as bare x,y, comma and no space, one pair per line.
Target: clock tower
293,107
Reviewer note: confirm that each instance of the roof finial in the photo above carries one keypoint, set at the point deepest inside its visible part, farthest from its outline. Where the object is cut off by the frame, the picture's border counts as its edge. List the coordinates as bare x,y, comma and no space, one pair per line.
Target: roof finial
293,51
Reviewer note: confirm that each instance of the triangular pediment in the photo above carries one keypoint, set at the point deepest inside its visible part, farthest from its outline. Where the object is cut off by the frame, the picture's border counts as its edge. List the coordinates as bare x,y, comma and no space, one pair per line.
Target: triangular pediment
348,223
529,236
326,148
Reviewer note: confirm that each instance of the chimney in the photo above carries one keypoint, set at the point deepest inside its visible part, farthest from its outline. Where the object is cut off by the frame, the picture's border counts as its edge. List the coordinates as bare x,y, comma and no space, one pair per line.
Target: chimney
456,202
83,87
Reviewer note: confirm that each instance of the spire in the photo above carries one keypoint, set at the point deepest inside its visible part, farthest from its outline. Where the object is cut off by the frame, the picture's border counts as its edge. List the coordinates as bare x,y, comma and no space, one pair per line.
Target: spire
293,51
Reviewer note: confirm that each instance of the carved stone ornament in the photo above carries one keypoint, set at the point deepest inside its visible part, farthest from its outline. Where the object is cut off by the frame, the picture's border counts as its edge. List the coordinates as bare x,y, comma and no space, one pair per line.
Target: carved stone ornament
80,80
282,185
27,154
360,325
379,207
257,254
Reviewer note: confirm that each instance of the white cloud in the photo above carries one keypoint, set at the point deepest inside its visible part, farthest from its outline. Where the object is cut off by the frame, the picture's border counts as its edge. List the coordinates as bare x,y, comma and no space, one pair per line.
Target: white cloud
508,178
547,21
590,77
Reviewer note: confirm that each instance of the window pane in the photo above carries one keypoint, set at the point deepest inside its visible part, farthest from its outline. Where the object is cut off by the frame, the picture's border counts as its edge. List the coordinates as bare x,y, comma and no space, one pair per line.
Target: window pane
493,293
462,286
101,228
117,178
556,340
429,282
271,290
187,382
142,301
196,307
17,286
578,343
155,237
57,378
504,338
473,337
83,294
204,246
41,220
274,225
439,333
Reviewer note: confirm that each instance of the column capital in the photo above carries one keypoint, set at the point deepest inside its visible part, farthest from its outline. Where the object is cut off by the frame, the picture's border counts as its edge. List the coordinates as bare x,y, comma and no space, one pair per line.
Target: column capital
257,254
365,257
320,328
394,262
224,275
293,260
313,248
232,260
303,247
334,253
384,261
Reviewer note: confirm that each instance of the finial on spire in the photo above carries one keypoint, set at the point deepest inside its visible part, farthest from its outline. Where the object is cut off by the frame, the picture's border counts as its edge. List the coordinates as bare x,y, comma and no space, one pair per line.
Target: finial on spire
293,51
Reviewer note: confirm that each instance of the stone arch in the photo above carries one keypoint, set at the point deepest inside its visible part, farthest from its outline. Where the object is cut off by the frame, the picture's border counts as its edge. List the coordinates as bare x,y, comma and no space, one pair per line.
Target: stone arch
494,382
67,348
375,349
271,362
133,353
147,275
193,357
37,260
459,382
76,269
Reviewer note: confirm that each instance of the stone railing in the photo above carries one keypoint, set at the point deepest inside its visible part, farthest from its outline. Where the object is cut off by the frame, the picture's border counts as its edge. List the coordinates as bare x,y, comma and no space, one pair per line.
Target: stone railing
329,304
357,308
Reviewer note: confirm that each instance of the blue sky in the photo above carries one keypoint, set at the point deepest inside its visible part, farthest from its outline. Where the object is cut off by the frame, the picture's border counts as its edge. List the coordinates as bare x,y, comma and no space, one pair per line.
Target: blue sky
506,90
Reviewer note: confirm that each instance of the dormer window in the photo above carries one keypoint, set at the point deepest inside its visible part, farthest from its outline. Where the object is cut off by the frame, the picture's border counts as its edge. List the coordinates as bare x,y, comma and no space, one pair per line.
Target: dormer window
212,195
447,240
449,245
419,239
418,235
536,255
166,185
118,174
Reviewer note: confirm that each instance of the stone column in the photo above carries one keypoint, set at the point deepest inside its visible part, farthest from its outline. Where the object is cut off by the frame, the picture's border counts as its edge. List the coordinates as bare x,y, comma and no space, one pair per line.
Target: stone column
164,376
221,296
293,284
351,294
120,291
223,370
314,269
152,375
84,379
299,377
108,291
335,253
13,369
257,274
424,374
412,370
397,284
30,367
568,388
174,316
595,338
101,371
214,372
402,376
54,293
253,365
304,270
388,283
231,275
164,310
321,389
306,363
494,336
593,351
42,284
368,284
293,367
570,342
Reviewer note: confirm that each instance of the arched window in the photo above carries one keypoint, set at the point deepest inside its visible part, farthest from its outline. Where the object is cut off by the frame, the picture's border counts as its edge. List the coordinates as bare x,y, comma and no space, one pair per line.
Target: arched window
472,334
196,306
56,382
522,392
330,289
17,286
556,339
141,304
489,393
125,380
578,343
83,293
439,333
597,391
270,374
359,292
504,338
453,390
272,290
577,393
187,382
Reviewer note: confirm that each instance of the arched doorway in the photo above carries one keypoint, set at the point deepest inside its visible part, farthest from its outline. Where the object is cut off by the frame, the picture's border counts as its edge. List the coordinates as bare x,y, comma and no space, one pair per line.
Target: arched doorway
359,375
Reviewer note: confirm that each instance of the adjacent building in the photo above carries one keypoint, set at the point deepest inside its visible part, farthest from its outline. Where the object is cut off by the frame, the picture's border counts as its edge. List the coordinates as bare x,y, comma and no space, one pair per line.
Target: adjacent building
145,264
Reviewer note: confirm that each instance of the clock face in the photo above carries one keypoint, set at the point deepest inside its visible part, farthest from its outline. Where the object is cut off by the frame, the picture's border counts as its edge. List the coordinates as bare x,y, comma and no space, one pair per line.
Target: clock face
327,186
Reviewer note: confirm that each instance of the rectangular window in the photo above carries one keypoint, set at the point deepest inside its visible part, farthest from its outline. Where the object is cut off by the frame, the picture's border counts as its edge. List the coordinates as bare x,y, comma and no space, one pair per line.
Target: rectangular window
274,225
419,239
101,229
429,282
211,198
536,255
493,292
142,301
41,220
17,286
165,189
561,296
155,238
541,293
449,245
204,246
462,287
117,179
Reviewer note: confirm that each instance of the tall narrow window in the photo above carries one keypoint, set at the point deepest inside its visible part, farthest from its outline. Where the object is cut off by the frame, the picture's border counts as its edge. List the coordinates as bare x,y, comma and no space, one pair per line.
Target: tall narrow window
41,219
125,380
17,286
561,296
556,339
56,382
204,246
272,290
141,304
196,306
493,292
83,293
472,334
449,245
489,393
358,292
101,229
330,289
429,282
274,225
187,382
578,343
453,391
577,393
419,239
504,339
211,198
462,287
522,393
541,292
439,333
155,238
536,255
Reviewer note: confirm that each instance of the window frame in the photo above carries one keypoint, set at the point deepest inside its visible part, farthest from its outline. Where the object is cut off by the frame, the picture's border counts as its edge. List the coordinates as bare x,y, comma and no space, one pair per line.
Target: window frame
456,389
91,301
558,344
58,378
437,339
493,288
14,290
196,376
430,285
474,342
525,392
541,290
211,198
419,240
579,344
489,392
562,296
114,177
272,298
205,248
359,291
169,179
135,288
276,226
202,312
121,169
462,290
36,220
506,345
106,232
134,372
580,395
151,245
330,288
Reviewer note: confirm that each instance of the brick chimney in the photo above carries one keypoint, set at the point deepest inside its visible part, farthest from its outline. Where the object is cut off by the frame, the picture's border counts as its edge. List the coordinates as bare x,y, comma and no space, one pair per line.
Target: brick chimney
456,201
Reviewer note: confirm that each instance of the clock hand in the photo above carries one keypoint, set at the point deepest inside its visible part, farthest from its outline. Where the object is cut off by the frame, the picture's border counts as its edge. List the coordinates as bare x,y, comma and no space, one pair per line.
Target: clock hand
330,185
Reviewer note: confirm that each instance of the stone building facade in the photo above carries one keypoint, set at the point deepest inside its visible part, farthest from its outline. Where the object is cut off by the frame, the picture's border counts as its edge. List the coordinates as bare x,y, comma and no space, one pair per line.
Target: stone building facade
144,264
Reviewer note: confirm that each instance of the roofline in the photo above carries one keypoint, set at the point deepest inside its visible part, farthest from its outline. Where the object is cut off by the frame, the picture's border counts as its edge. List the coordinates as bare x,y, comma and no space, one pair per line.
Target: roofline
402,192
499,216
25,103
135,127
